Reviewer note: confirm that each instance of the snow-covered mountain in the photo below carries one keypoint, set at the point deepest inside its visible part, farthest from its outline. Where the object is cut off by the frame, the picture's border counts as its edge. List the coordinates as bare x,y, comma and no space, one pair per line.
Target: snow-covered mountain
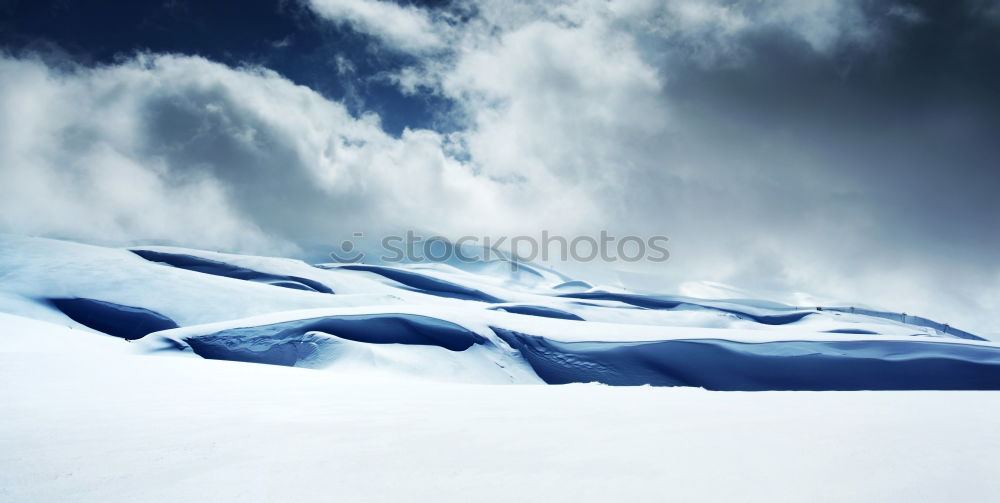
438,322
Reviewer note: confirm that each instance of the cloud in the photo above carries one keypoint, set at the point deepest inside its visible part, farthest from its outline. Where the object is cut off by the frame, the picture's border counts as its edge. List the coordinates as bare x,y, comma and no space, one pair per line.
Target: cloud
69,168
552,104
907,13
182,149
406,29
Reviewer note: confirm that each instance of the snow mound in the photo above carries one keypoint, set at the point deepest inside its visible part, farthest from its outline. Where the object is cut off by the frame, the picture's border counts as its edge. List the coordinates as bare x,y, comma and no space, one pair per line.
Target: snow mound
424,283
543,311
469,324
203,265
288,342
127,322
717,364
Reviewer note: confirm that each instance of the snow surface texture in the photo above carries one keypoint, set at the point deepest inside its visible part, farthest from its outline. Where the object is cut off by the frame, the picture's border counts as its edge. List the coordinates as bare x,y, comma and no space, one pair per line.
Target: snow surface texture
119,428
163,374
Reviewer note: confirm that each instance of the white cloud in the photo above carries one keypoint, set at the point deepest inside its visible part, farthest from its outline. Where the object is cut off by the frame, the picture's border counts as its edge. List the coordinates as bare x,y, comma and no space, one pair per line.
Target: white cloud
68,168
552,103
186,150
408,29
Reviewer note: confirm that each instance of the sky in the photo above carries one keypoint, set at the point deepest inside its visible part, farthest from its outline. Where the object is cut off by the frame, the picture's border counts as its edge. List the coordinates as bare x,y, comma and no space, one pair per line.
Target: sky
804,151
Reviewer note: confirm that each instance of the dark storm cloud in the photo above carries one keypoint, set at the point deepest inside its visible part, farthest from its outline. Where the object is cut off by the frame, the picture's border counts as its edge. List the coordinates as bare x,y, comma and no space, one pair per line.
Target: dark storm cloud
933,82
907,120
871,158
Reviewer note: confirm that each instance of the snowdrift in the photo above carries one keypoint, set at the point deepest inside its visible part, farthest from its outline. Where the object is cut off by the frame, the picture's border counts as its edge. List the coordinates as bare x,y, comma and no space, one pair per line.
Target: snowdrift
717,364
441,322
193,263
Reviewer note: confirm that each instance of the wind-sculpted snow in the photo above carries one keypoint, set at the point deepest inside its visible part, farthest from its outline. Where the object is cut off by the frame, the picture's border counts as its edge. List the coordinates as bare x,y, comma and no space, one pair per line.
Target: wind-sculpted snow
203,265
855,331
784,365
769,319
651,302
127,322
567,285
543,311
911,320
478,323
290,342
424,283
631,299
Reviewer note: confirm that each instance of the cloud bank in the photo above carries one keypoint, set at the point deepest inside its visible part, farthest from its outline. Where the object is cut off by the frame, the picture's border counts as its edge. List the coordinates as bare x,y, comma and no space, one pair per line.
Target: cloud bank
180,148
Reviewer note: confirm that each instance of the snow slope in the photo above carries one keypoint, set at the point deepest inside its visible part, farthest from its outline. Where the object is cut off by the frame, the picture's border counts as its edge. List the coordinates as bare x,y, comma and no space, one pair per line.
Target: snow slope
134,428
436,321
